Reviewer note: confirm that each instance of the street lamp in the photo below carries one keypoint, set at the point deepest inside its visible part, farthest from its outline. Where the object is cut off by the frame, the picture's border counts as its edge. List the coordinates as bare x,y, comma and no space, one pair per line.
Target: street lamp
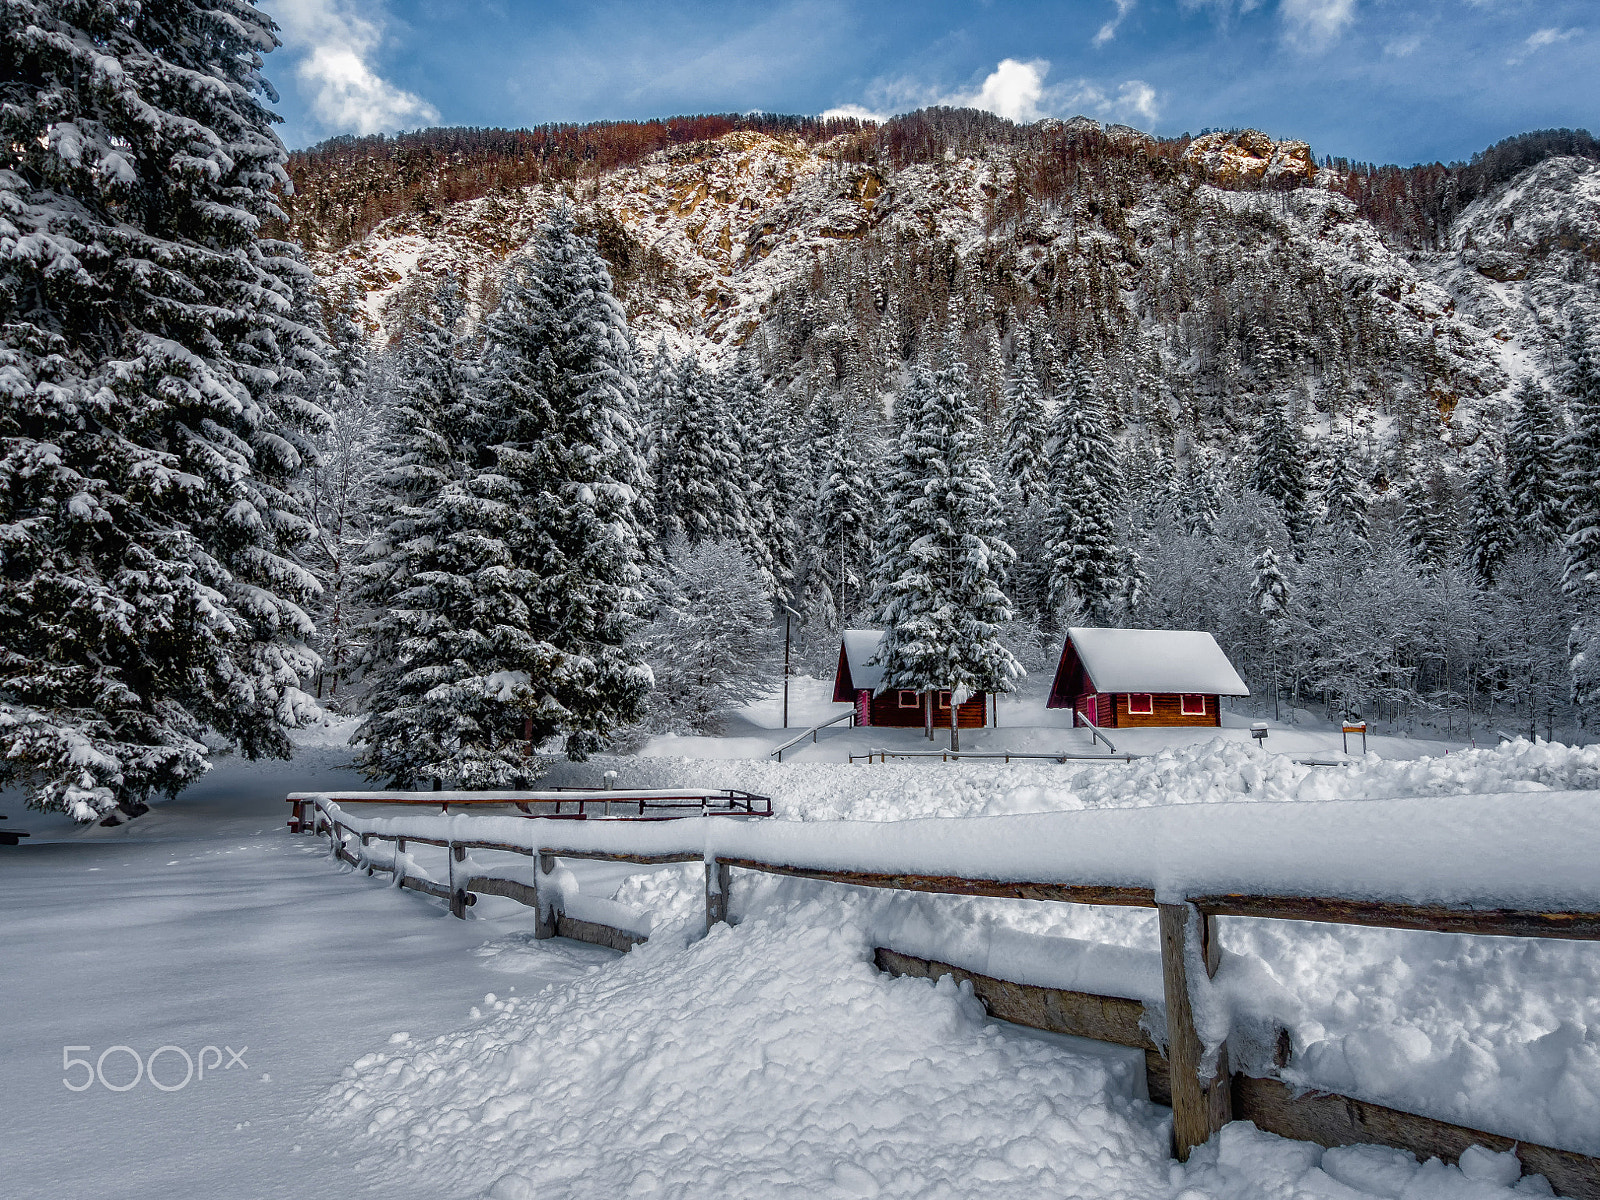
788,614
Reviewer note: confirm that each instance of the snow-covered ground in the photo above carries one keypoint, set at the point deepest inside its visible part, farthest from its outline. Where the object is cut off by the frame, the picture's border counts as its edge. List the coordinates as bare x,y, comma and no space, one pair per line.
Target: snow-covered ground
768,1059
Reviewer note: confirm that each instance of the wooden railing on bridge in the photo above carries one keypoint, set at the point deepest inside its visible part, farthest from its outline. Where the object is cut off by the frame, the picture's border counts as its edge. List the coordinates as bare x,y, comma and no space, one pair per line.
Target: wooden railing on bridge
1203,1098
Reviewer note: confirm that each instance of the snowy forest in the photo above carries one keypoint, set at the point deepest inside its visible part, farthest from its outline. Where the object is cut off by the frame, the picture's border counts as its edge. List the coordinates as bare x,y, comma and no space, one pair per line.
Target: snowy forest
525,526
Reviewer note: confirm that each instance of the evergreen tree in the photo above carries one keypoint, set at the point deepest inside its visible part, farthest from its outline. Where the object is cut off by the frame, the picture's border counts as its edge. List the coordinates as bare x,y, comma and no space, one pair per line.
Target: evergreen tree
1027,427
1202,497
944,563
845,521
1532,464
758,527
517,628
1491,523
158,367
1278,471
1580,490
1345,499
1080,529
1425,524
699,493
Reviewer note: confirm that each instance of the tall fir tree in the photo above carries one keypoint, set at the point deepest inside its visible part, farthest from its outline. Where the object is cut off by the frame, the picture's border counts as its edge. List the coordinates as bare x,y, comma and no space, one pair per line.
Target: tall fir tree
1533,469
1580,492
845,520
1278,470
757,525
1345,499
518,628
1085,485
158,368
940,597
699,493
1491,523
1027,428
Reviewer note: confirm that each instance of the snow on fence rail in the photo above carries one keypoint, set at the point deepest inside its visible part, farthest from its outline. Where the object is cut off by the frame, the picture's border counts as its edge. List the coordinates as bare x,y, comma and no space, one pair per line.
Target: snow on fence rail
1500,865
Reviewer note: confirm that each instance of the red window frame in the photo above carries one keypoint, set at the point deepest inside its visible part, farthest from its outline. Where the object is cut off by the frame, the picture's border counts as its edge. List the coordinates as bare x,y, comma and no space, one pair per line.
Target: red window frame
1188,698
944,699
1141,704
914,702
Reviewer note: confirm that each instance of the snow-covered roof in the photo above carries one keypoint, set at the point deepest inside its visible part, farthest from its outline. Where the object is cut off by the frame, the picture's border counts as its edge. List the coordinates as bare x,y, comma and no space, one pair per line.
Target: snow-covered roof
1156,660
859,646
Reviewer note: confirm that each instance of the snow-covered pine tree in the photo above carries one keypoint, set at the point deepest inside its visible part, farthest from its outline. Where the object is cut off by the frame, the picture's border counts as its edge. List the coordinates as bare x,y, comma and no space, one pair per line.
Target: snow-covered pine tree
1533,469
1491,524
1202,497
1580,492
419,575
157,368
1427,527
1278,470
710,641
516,627
845,520
699,493
1080,527
760,532
1027,427
1269,600
1345,499
943,562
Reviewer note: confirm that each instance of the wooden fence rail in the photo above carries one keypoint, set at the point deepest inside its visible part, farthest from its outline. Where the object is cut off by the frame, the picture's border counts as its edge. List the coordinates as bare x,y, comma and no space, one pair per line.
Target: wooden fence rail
1203,1098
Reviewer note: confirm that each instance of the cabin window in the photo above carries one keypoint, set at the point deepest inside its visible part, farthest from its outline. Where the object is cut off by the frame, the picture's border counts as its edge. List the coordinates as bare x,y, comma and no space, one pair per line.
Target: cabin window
944,699
1194,706
1142,705
909,699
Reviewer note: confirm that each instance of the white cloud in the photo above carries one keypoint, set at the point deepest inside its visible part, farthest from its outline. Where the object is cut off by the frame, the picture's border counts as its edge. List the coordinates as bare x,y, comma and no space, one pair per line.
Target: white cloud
1402,47
859,112
1539,39
1017,91
341,88
1315,24
1109,29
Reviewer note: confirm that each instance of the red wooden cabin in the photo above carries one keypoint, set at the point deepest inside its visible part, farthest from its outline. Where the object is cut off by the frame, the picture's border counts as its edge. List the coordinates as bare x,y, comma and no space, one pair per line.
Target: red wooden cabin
858,681
1117,678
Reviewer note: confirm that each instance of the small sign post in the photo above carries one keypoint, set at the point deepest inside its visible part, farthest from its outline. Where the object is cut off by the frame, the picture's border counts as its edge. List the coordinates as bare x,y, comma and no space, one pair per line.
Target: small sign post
1258,730
1355,727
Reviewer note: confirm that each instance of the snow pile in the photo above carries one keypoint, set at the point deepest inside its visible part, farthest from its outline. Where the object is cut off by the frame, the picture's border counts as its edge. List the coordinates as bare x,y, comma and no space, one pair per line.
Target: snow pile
1218,770
772,1060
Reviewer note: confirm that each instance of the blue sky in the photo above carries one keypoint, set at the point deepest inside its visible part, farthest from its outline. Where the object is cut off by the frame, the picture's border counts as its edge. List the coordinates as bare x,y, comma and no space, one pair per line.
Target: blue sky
1378,80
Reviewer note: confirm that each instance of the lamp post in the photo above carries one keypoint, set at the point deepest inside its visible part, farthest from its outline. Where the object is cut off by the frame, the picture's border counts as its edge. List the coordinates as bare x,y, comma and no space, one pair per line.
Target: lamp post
788,614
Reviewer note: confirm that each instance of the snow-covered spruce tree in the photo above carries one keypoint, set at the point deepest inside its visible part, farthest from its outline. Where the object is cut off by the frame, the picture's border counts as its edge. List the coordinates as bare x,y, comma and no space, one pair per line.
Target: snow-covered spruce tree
1580,492
1345,499
1269,600
1491,524
417,577
522,628
1278,470
845,519
710,642
744,407
1084,487
778,478
1532,464
1027,427
1426,521
1201,498
157,382
698,486
943,563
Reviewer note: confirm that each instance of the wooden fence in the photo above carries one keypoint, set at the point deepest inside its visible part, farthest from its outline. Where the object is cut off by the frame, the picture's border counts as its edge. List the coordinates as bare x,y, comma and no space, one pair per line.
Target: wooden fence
1202,1100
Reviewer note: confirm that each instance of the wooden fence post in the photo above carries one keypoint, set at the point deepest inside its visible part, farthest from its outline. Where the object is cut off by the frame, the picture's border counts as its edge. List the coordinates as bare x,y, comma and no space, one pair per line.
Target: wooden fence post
1200,1107
719,877
458,896
544,924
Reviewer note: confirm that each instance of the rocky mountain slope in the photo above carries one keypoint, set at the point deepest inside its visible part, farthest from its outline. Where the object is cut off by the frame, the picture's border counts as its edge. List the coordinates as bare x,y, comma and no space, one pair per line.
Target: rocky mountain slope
1196,276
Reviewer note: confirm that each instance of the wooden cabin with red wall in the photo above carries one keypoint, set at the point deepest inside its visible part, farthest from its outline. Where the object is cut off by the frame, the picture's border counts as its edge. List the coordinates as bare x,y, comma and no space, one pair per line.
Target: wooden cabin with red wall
858,679
1122,678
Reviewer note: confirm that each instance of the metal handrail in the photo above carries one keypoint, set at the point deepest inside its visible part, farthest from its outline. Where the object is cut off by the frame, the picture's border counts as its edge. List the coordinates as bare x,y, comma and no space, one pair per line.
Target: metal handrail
883,755
777,752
